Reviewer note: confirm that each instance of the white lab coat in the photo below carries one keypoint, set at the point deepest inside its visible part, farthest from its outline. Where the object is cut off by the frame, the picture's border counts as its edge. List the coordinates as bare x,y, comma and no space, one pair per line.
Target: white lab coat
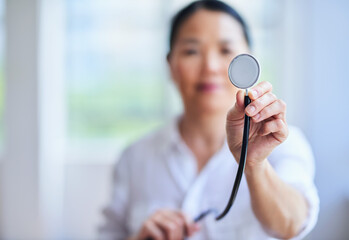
159,171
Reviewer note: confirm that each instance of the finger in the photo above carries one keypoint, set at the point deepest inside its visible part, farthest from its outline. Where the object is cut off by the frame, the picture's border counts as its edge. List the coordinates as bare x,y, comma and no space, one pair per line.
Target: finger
166,225
151,231
257,105
273,109
189,226
259,90
193,228
277,127
281,116
175,218
238,111
240,99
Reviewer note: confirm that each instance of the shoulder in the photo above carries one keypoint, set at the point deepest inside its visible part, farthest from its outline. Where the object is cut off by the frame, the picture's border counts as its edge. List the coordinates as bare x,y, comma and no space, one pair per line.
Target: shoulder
297,138
295,151
295,144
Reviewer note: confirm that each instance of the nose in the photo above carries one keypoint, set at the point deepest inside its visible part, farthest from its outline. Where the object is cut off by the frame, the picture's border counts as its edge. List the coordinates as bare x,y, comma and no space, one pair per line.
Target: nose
211,63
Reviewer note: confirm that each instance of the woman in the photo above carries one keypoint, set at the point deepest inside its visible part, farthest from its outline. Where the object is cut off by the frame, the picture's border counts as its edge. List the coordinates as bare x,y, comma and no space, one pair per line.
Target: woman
163,181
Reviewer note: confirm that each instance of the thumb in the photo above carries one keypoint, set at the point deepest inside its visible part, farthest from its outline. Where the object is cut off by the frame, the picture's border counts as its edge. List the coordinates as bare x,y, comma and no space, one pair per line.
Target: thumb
238,111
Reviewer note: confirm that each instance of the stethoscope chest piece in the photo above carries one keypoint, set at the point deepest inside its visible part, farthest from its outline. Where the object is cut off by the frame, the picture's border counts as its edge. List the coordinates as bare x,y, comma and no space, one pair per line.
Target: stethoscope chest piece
244,71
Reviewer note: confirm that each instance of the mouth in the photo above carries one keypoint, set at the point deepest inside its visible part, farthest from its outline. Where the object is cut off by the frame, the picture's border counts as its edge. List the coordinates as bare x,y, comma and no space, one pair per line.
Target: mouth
207,87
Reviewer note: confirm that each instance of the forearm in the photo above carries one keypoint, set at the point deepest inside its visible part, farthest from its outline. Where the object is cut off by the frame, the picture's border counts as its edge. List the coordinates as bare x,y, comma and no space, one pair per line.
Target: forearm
279,207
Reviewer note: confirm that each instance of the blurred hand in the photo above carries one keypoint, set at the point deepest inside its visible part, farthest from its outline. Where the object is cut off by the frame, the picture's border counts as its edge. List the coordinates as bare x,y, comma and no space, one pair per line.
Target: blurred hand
167,225
268,124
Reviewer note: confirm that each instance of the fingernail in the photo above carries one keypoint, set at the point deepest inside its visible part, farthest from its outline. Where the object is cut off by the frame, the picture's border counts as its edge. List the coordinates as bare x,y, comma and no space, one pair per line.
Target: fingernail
251,109
257,116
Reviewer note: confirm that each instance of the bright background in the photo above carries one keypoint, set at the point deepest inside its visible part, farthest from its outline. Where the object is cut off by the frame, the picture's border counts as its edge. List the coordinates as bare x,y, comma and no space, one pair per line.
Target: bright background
81,79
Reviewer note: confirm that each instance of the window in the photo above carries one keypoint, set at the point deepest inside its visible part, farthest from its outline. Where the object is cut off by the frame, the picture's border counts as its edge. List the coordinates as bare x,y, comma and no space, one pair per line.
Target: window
118,87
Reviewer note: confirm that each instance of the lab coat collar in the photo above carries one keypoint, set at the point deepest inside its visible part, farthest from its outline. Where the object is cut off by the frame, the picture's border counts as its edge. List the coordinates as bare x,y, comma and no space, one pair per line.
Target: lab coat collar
182,165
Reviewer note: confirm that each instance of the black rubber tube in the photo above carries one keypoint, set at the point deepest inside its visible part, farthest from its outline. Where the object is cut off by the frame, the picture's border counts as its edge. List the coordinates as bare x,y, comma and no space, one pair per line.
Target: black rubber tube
239,174
242,163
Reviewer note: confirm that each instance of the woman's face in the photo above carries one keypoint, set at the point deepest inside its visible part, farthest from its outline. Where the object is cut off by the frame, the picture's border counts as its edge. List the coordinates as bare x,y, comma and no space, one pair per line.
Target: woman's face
204,46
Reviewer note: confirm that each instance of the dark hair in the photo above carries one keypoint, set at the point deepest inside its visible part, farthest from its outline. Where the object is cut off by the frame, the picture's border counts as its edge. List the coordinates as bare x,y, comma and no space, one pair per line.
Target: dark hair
213,5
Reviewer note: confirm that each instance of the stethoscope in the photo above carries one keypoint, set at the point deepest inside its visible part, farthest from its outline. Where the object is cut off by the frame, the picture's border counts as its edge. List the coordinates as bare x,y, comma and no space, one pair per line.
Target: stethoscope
243,72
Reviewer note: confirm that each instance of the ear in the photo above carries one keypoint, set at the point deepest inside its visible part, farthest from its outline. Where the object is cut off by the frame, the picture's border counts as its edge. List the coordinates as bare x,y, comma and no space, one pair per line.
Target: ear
168,56
171,68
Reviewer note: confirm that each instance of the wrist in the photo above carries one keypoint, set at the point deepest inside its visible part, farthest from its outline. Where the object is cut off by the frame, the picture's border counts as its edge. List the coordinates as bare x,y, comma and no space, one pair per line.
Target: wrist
134,237
256,169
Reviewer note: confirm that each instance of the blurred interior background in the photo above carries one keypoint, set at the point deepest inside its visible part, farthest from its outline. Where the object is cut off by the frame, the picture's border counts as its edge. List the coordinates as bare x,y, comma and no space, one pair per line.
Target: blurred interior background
81,79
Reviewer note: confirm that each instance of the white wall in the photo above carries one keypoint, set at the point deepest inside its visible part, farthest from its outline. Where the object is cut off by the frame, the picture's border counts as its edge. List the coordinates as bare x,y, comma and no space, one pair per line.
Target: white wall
87,191
328,82
315,88
31,170
19,172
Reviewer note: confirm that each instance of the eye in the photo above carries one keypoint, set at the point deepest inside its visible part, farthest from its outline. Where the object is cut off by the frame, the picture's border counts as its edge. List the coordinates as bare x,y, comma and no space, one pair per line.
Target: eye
189,52
226,51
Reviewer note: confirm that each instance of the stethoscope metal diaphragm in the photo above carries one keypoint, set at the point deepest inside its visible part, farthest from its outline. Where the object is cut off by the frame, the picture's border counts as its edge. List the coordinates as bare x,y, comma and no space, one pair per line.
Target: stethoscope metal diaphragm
244,71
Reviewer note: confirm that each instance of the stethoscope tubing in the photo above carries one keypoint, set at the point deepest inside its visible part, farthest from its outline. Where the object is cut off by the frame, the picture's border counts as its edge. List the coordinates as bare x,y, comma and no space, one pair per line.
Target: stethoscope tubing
240,171
242,162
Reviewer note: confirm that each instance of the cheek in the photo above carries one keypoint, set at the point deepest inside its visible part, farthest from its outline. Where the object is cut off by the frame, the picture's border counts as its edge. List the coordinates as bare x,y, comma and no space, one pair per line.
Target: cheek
188,70
185,73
